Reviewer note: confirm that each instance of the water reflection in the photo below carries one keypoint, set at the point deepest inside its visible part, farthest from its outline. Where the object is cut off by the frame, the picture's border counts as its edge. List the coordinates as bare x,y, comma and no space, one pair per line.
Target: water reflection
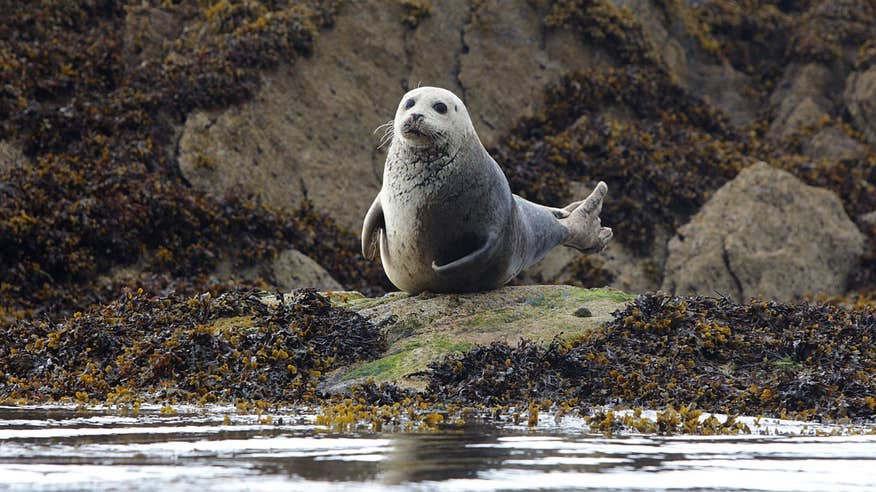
458,453
53,449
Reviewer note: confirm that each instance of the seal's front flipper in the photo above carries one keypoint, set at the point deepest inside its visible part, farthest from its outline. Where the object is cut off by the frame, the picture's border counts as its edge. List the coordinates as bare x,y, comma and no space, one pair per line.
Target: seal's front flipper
585,228
468,261
373,223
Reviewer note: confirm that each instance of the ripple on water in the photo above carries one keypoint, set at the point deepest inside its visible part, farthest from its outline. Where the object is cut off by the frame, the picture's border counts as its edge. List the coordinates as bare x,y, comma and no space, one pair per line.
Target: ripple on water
55,448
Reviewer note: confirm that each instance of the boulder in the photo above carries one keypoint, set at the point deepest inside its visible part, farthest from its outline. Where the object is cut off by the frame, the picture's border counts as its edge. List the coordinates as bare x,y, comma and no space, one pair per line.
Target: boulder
860,99
292,269
425,327
619,268
765,234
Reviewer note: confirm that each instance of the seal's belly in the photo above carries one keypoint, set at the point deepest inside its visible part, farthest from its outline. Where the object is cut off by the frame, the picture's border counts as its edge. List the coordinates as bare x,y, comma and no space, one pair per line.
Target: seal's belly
417,235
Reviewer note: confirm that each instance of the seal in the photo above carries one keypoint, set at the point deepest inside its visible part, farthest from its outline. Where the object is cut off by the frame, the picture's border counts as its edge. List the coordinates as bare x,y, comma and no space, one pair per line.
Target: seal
445,219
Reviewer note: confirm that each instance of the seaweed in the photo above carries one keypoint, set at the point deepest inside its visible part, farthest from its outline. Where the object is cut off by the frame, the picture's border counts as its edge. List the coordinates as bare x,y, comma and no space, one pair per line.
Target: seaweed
95,114
414,12
660,150
601,23
664,151
201,348
807,360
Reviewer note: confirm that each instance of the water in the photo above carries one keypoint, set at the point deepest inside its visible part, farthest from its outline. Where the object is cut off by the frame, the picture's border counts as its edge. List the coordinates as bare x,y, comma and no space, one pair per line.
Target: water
55,448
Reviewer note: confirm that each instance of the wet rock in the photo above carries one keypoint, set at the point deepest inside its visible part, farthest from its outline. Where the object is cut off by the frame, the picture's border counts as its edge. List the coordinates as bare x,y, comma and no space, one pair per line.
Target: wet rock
860,98
237,346
292,269
698,353
426,327
765,234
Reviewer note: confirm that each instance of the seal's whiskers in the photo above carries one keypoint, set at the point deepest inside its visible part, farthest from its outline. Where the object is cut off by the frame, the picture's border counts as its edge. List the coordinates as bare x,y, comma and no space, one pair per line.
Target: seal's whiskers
387,133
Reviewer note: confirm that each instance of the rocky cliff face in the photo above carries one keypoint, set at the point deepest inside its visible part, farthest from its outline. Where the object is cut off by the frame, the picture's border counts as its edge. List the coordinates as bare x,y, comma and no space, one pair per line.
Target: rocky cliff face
503,58
182,139
309,130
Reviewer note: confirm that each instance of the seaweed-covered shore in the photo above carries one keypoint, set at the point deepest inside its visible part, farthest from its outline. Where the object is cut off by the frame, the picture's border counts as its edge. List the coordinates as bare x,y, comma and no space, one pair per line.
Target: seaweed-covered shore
95,92
121,280
809,361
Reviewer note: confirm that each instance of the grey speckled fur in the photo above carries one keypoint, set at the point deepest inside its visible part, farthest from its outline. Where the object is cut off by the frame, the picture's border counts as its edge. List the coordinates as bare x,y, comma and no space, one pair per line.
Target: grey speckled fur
446,220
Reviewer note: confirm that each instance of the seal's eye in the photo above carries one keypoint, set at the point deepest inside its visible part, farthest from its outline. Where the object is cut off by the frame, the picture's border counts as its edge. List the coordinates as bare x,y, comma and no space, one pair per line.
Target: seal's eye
440,107
409,104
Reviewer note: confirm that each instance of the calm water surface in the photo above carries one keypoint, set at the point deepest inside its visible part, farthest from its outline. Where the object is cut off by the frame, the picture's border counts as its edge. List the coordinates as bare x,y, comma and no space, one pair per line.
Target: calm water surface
56,448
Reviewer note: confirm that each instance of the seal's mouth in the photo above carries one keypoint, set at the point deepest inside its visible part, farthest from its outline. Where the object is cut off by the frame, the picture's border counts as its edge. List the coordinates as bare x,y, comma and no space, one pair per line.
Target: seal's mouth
417,130
412,131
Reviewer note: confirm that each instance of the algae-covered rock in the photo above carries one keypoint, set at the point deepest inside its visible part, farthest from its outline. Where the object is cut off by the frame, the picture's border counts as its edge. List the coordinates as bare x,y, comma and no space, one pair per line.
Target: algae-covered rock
806,360
860,95
422,329
801,98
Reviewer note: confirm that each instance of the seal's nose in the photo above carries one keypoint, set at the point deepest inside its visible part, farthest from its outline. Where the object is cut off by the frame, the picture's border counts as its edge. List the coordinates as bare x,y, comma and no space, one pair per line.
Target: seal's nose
415,117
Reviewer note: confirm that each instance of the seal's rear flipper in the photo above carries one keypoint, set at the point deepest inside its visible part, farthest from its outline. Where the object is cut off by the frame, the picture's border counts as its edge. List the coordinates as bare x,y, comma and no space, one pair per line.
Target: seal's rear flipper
468,261
373,223
586,233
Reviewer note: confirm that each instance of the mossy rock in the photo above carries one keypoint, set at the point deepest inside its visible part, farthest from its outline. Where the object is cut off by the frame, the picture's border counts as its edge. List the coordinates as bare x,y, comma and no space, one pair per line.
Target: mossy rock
427,327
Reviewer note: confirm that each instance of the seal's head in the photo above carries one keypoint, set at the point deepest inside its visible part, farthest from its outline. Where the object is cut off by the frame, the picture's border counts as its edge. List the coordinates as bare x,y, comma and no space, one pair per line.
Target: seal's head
429,117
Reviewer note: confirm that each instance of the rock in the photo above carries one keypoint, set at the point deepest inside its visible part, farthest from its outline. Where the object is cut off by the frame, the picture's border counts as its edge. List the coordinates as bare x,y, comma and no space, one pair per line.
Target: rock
429,326
831,143
722,86
625,270
292,269
868,219
509,60
801,98
765,234
696,70
308,130
147,29
10,156
860,99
